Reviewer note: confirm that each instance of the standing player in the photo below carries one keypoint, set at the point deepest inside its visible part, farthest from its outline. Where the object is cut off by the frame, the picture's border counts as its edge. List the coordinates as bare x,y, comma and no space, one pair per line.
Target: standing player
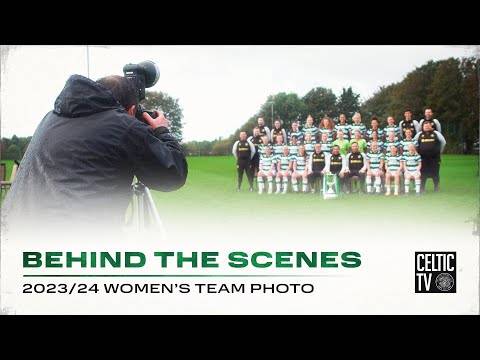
391,126
300,170
412,167
342,126
293,146
357,137
284,170
408,124
325,144
295,132
375,128
256,140
430,146
380,143
407,140
374,169
278,130
309,144
391,140
278,145
357,125
429,118
264,130
316,168
267,170
393,162
243,151
356,167
310,128
326,127
342,143
336,164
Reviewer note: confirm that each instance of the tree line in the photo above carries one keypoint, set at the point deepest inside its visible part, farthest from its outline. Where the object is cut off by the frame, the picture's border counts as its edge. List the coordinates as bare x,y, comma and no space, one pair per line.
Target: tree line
450,87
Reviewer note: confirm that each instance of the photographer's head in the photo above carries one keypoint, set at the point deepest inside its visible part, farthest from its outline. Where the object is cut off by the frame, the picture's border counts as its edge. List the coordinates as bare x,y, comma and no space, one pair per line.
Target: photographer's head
123,90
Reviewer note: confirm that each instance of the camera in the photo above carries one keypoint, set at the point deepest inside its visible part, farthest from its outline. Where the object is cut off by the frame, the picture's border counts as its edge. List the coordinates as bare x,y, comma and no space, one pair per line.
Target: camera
144,75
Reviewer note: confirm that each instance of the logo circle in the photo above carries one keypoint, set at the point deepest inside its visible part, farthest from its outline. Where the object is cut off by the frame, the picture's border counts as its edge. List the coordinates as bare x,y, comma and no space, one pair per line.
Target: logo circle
444,282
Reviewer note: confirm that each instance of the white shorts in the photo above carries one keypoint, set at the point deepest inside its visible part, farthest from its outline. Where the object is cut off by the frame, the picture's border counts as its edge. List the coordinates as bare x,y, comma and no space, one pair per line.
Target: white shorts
415,173
284,173
393,173
376,172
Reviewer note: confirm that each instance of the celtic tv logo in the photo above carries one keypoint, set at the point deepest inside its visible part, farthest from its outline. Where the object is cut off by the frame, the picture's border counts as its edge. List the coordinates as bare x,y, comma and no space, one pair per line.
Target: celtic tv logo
435,272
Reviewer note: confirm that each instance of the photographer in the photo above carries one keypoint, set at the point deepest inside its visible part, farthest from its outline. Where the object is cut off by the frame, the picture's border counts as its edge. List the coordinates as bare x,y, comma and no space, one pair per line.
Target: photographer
84,154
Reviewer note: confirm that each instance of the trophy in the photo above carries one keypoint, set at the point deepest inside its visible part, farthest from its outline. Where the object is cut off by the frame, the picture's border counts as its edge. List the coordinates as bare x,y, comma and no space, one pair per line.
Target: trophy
330,186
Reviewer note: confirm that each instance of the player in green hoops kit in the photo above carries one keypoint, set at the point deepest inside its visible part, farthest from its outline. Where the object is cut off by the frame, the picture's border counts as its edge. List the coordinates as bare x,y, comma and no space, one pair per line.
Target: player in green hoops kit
374,169
284,170
310,128
326,127
375,128
392,126
293,146
393,162
380,143
412,165
343,126
407,140
357,125
309,144
278,145
391,141
300,170
325,144
267,170
295,132
342,143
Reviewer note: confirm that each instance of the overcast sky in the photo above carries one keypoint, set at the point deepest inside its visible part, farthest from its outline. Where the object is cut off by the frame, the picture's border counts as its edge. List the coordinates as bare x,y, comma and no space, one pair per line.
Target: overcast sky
219,87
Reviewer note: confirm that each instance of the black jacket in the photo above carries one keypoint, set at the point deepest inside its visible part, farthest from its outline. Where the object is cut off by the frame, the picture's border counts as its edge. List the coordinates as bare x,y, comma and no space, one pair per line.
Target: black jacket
82,158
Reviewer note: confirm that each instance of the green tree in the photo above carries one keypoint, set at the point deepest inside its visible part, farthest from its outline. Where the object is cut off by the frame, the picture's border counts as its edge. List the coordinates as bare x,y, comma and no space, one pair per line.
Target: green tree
320,102
348,102
286,107
13,152
170,106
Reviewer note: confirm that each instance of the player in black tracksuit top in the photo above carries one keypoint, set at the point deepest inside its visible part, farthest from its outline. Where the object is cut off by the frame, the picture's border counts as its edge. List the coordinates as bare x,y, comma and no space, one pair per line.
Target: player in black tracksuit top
356,167
316,165
430,145
244,150
256,140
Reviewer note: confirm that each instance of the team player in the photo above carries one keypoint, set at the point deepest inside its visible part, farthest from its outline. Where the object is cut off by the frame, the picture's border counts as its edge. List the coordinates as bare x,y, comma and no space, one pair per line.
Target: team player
267,170
325,144
295,132
264,130
357,125
429,118
284,170
412,167
309,144
300,170
374,169
256,140
342,143
430,146
310,128
380,143
407,140
343,126
263,146
408,124
375,128
391,126
243,151
326,127
293,146
391,140
336,164
356,167
362,143
393,162
316,168
278,130
278,145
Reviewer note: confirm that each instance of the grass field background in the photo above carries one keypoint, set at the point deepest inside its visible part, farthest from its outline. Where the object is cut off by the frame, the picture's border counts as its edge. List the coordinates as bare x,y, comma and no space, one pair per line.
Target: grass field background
210,192
210,196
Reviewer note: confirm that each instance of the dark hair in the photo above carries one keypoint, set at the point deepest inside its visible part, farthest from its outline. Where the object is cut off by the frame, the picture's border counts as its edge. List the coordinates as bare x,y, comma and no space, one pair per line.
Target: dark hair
374,118
123,89
408,110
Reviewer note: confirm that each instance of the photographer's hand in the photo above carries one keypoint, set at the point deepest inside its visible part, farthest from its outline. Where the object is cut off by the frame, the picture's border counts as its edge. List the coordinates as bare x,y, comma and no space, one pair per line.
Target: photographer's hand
160,120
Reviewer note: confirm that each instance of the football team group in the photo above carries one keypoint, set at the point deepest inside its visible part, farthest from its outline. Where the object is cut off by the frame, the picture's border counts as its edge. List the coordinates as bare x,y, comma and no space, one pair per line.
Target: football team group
372,159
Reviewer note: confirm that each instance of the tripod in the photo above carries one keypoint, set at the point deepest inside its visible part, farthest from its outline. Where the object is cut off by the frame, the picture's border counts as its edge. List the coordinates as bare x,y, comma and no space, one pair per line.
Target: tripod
144,212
